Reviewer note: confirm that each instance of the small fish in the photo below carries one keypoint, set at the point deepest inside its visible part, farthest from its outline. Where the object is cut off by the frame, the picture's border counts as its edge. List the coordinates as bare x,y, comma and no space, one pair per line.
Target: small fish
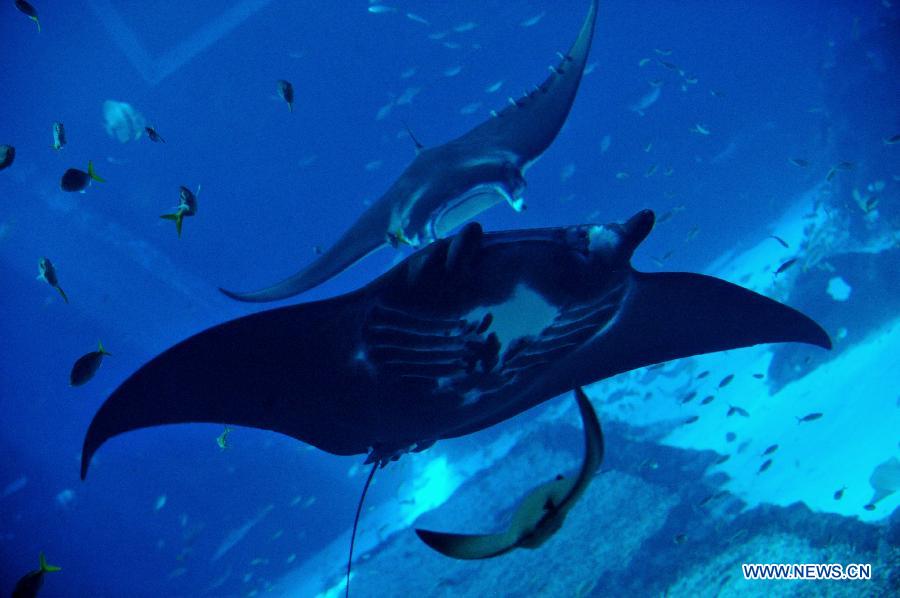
532,21
669,65
892,140
622,175
808,418
679,538
414,17
651,171
691,80
732,409
154,135
7,155
716,93
59,136
770,450
766,465
464,27
47,273
707,400
799,162
691,419
689,397
30,11
665,52
648,147
643,61
494,87
187,206
160,502
380,9
781,241
698,128
692,234
78,180
783,267
726,380
869,507
286,92
845,165
222,439
702,374
30,584
86,366
830,174
722,458
839,493
759,376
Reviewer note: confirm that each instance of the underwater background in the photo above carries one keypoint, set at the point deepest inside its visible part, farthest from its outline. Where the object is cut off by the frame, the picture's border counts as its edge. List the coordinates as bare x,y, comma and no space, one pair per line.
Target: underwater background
748,120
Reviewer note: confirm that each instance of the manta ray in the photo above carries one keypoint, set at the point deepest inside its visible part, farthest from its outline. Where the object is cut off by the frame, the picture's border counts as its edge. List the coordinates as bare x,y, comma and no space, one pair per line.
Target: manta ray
448,185
462,334
541,513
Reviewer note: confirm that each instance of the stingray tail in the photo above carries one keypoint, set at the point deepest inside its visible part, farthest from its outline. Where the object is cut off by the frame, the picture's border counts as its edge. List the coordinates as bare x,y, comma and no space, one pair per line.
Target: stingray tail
356,523
62,293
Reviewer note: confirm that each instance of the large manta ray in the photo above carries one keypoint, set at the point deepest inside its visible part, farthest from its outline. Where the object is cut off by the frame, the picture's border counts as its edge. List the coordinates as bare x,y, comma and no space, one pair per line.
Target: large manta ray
465,333
450,184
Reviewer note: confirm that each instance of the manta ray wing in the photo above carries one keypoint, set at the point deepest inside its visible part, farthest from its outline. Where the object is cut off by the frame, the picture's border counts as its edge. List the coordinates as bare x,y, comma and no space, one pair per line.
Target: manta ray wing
283,370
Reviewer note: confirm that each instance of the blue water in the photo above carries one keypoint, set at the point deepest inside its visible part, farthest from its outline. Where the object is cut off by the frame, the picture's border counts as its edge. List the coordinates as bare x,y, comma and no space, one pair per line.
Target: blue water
275,185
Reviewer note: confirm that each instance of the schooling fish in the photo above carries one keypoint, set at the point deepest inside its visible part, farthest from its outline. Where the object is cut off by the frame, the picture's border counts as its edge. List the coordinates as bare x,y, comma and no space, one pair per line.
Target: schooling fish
540,514
781,241
286,91
783,267
78,180
770,450
86,366
47,273
7,155
809,418
891,140
732,409
448,185
726,380
59,136
839,493
187,206
154,135
30,584
766,465
30,11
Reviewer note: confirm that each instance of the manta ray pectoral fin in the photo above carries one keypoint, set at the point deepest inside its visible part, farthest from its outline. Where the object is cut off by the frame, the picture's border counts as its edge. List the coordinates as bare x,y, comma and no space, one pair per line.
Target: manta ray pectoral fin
364,237
675,314
274,370
468,546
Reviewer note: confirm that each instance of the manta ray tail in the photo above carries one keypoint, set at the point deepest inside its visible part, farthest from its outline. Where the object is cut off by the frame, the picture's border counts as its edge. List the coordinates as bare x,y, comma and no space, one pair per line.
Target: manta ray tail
678,314
362,498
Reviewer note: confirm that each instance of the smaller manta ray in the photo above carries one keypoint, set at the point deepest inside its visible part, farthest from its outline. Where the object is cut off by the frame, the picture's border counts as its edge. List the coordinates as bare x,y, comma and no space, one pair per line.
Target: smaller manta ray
540,514
447,185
